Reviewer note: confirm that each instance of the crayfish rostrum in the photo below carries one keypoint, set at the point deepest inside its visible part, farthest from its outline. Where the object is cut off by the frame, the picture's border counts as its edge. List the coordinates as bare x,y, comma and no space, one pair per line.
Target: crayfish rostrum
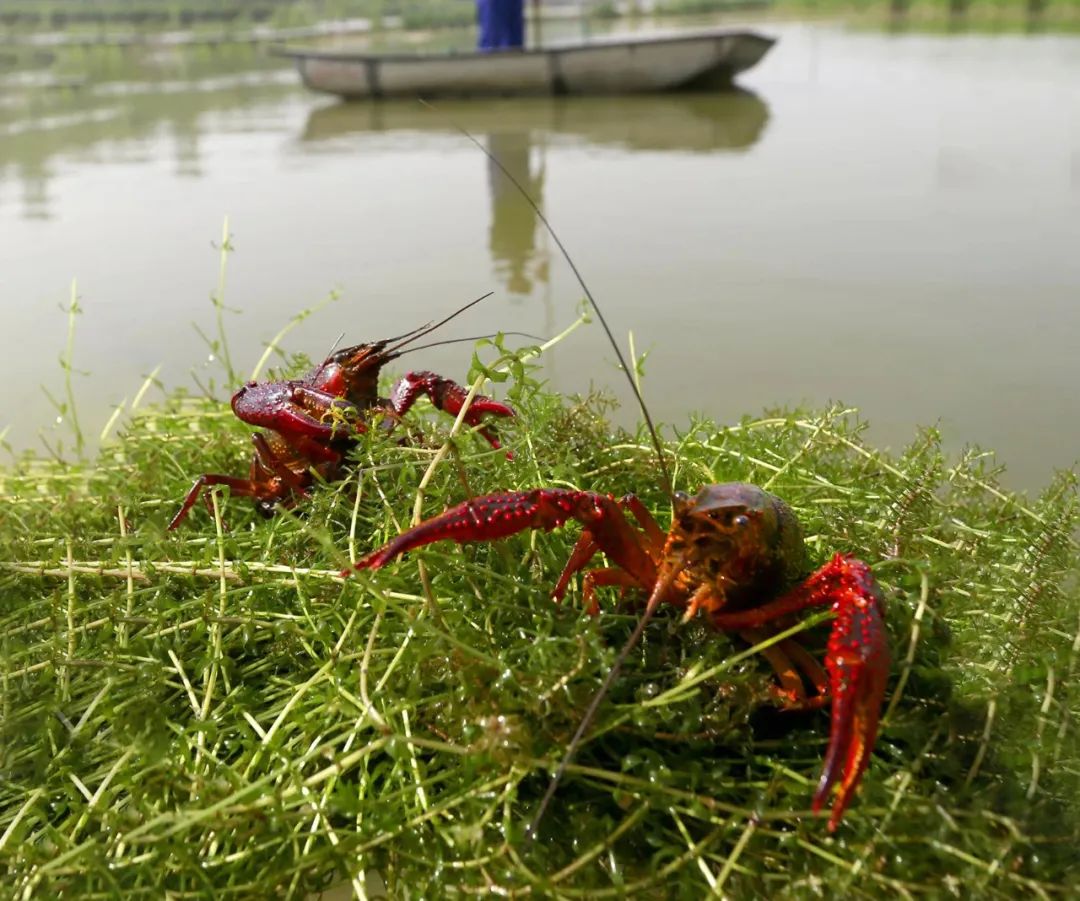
312,423
734,554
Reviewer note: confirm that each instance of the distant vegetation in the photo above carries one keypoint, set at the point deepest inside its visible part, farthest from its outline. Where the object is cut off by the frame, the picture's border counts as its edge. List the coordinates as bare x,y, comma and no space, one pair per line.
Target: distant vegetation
438,14
927,8
20,17
31,15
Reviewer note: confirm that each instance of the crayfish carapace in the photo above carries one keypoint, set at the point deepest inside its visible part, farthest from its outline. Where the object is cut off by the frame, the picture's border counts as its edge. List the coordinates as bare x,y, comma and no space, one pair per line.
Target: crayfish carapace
312,423
735,554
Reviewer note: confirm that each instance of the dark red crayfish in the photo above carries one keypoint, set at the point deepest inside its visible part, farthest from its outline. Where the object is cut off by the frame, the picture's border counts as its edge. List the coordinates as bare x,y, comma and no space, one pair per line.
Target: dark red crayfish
312,423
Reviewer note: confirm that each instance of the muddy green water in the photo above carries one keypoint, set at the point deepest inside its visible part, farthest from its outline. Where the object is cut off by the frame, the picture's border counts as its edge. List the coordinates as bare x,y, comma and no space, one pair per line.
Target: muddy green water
888,219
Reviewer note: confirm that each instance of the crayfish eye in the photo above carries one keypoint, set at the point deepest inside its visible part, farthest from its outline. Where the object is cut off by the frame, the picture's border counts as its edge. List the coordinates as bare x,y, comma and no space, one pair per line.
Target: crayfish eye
729,519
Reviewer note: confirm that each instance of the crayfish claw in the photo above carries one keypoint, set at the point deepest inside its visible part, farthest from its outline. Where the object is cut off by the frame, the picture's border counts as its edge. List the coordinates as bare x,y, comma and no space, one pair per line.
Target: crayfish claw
857,661
854,728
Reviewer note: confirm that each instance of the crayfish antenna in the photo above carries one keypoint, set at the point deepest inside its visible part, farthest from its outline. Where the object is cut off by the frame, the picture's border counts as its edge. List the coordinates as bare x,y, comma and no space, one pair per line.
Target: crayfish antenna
667,578
660,457
658,592
474,338
409,337
406,338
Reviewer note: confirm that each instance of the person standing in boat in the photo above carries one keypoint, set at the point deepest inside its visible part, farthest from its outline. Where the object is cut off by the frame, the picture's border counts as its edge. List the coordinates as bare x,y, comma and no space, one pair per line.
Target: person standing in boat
501,25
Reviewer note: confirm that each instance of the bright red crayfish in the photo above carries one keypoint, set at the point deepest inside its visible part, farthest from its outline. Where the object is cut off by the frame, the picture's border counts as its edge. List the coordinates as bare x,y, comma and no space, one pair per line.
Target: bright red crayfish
730,549
734,553
312,423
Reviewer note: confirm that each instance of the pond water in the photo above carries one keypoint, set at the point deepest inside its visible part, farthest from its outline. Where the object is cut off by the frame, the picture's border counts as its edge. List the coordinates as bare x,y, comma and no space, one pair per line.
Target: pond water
888,219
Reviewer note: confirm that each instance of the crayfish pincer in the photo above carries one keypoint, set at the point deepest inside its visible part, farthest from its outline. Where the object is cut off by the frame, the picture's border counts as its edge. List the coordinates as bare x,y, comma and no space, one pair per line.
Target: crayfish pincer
735,554
313,422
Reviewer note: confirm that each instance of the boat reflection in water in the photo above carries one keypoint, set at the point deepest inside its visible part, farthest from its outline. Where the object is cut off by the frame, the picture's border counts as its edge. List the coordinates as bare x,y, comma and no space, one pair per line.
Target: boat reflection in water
518,132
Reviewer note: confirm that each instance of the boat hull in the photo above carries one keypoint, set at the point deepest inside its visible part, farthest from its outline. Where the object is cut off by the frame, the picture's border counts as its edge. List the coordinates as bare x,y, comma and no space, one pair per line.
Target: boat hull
699,60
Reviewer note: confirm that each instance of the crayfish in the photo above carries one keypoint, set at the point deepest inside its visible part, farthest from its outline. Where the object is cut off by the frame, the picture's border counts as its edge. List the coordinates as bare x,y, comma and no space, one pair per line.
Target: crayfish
734,553
312,423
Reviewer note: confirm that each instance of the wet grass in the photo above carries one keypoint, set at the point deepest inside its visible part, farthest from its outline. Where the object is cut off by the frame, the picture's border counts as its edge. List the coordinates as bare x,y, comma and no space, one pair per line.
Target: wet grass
216,713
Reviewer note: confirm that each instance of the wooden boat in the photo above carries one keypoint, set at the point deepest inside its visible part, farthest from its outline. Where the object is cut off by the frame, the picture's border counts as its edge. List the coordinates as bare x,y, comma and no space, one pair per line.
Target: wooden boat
681,61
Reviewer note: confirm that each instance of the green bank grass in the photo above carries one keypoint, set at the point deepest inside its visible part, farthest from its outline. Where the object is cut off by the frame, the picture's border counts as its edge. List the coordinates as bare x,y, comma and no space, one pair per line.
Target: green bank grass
216,713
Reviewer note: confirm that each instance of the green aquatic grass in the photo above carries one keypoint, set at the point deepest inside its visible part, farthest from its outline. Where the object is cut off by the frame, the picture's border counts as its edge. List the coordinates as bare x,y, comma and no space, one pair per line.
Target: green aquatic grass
215,713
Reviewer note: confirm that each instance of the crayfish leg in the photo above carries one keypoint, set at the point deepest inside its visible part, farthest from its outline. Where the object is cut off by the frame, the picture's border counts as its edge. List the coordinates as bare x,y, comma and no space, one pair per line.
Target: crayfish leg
791,692
268,461
584,550
600,578
657,536
238,486
811,669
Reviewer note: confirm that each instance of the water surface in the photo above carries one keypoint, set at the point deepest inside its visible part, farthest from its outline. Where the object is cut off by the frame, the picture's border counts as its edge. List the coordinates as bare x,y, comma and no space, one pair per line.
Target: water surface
887,219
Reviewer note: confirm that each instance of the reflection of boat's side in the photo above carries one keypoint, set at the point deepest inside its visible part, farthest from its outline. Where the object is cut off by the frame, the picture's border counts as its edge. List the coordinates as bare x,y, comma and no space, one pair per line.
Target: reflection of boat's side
686,60
730,120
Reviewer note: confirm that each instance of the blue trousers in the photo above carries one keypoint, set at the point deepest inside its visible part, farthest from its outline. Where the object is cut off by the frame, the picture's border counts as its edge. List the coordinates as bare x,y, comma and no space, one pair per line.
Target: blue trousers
502,24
